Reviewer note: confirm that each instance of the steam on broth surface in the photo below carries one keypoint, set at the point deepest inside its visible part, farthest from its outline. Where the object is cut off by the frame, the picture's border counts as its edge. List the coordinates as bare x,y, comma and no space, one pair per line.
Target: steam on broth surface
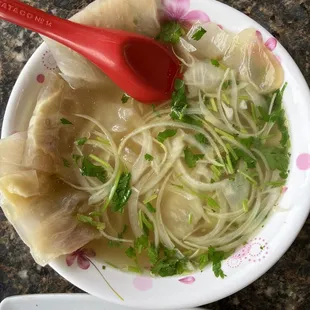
166,188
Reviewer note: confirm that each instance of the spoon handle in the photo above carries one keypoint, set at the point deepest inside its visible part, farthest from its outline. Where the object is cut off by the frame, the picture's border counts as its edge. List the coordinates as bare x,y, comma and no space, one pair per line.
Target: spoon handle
63,31
36,20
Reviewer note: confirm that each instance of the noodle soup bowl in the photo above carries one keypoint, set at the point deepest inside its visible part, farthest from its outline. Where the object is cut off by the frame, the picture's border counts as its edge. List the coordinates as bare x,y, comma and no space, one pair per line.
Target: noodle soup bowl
250,261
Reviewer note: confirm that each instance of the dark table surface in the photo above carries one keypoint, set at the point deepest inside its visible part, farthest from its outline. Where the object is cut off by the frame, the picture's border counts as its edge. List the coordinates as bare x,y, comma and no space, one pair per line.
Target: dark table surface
285,286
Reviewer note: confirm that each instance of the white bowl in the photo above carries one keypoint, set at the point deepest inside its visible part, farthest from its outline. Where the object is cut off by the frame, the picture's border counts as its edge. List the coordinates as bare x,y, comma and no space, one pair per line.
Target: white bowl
249,262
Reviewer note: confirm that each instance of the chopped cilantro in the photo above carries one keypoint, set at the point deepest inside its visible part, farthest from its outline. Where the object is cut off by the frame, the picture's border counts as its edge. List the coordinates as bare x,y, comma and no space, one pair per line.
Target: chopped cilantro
89,220
134,269
179,100
168,133
147,225
125,98
203,261
198,34
216,258
171,32
215,63
103,267
191,158
152,253
278,116
148,157
170,264
122,193
226,84
141,243
190,218
212,203
66,162
90,170
81,141
277,159
250,161
251,142
131,252
64,121
201,138
245,205
150,207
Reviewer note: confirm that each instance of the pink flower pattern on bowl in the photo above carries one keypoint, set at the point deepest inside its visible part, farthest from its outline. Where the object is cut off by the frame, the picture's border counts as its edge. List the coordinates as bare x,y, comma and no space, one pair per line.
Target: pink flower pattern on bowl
187,280
254,251
82,256
303,161
180,10
143,283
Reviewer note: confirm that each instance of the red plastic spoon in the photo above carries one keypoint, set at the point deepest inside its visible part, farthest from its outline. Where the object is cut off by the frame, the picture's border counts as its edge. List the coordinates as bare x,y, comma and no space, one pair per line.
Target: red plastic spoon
142,67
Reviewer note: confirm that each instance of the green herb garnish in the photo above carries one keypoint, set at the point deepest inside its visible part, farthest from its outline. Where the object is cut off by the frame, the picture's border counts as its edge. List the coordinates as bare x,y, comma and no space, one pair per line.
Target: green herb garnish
152,253
201,138
277,159
81,141
198,34
148,157
190,218
226,84
88,169
141,243
131,252
215,63
89,220
66,162
278,116
125,98
150,207
214,257
179,101
64,121
168,133
171,32
245,205
203,261
191,158
147,225
134,269
250,161
122,193
212,203
170,264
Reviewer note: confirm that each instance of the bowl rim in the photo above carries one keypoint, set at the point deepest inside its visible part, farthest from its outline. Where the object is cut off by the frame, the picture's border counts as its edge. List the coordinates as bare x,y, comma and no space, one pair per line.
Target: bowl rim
10,117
